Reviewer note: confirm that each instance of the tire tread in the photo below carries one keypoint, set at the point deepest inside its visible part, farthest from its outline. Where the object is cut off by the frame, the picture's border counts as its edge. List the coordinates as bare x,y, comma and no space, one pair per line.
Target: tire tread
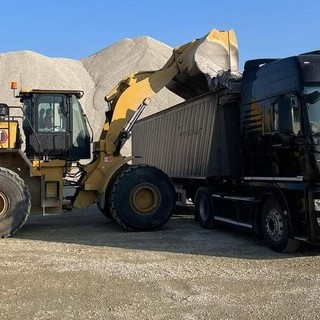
27,199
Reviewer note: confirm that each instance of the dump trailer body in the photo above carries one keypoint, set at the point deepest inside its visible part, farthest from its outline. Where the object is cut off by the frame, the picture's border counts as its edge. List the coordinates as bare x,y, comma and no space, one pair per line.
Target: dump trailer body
196,139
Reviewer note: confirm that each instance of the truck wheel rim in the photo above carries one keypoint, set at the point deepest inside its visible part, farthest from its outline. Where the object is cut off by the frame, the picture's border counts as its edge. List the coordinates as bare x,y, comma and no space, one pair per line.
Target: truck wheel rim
145,199
4,204
274,225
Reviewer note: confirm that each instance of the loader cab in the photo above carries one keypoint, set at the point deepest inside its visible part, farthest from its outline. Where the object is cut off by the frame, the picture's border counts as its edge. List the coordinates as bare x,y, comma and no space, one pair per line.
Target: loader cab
280,117
54,125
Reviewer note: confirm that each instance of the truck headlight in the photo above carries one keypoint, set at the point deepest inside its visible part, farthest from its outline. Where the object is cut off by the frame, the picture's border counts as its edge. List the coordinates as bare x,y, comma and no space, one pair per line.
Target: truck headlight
316,204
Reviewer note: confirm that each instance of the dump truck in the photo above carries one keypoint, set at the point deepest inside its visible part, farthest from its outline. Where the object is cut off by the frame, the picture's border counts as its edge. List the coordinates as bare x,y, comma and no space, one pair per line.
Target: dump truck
37,172
247,151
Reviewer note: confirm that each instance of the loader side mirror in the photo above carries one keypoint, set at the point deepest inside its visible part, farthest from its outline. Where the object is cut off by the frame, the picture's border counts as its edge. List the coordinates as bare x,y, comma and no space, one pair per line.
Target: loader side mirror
4,110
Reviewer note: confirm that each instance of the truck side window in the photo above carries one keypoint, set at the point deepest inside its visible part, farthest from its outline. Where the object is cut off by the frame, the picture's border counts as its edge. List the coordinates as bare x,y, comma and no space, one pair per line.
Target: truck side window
286,115
295,115
275,117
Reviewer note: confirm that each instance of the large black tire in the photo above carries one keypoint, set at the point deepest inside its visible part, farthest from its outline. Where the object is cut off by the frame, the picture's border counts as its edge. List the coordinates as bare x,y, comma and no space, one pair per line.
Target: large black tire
203,207
105,210
141,198
15,202
275,228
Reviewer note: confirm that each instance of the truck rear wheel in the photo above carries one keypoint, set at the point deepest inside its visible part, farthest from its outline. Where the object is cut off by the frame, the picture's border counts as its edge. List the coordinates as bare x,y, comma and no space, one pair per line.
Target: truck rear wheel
276,229
15,202
204,208
141,198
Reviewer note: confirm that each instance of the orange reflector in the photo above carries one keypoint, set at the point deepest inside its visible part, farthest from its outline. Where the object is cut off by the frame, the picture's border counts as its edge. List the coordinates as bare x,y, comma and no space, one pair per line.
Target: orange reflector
14,85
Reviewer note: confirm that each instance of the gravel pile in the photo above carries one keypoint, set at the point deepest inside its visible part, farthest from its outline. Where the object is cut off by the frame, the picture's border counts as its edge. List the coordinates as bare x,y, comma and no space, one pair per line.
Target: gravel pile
96,75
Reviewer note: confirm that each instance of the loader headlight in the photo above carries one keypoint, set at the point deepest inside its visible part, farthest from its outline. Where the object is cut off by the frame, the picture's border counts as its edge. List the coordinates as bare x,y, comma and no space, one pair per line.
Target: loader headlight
316,204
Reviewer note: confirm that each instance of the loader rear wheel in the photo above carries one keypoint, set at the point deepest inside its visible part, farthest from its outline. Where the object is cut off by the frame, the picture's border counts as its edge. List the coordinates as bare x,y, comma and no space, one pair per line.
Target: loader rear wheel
141,198
15,202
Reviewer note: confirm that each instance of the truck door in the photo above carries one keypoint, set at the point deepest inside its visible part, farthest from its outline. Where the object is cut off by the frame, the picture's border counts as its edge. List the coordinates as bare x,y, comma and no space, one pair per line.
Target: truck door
255,142
287,136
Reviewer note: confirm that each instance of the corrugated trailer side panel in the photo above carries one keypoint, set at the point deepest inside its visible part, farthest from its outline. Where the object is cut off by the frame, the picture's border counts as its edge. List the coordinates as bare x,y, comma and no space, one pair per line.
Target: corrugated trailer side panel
185,141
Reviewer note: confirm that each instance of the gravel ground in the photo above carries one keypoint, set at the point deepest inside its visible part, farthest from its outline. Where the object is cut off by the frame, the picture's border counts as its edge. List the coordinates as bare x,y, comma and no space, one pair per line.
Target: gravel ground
81,266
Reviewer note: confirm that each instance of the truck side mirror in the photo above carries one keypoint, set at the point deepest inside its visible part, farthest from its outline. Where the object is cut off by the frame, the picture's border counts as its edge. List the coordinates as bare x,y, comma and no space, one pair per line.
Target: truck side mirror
313,97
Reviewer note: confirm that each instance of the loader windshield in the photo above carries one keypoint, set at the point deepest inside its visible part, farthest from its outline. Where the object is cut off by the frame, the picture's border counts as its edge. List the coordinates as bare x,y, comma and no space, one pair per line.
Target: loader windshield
52,115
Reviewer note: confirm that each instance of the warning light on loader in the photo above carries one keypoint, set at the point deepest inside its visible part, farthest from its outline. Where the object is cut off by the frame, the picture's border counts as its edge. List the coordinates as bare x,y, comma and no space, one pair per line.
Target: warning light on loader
14,85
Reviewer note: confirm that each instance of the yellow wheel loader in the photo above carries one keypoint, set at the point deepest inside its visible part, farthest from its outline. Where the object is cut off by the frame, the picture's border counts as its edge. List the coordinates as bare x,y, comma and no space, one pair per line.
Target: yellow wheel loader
36,179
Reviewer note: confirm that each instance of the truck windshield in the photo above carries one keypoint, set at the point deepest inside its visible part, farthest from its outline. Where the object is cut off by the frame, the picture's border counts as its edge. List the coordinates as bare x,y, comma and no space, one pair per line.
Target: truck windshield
313,111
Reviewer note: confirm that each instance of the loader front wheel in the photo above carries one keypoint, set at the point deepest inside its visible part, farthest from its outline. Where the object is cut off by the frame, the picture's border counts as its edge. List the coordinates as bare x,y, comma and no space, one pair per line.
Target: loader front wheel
141,198
15,202
105,211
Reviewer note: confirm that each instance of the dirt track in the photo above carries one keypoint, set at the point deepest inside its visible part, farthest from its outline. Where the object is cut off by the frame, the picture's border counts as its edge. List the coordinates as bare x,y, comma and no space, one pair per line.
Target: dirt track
82,266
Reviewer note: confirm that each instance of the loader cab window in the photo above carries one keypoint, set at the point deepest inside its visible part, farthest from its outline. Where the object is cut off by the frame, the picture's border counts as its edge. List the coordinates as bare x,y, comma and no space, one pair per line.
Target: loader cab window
80,134
27,110
52,113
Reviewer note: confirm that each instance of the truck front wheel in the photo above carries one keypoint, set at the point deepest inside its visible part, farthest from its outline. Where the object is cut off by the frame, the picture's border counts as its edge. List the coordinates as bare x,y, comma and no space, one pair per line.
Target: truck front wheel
204,208
141,198
276,229
15,202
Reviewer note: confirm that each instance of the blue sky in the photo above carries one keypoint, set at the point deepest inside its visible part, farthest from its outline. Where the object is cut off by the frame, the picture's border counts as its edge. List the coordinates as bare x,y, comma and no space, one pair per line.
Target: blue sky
77,28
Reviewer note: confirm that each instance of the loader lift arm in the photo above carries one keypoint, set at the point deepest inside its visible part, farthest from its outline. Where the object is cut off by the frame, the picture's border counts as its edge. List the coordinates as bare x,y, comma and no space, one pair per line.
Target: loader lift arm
188,72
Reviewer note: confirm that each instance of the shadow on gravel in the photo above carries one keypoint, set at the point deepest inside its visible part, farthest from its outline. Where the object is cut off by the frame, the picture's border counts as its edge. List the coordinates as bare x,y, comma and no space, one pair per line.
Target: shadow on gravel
180,235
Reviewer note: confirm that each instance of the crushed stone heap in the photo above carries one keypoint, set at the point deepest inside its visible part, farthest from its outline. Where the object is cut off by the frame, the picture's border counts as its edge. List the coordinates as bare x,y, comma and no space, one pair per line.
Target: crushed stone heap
96,75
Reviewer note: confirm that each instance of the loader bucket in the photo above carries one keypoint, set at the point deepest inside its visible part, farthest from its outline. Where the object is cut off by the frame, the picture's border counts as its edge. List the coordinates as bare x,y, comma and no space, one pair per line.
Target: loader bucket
202,59
217,51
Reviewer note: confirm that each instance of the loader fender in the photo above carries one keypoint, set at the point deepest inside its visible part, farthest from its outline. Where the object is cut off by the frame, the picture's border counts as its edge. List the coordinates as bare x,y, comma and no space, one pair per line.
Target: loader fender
113,172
